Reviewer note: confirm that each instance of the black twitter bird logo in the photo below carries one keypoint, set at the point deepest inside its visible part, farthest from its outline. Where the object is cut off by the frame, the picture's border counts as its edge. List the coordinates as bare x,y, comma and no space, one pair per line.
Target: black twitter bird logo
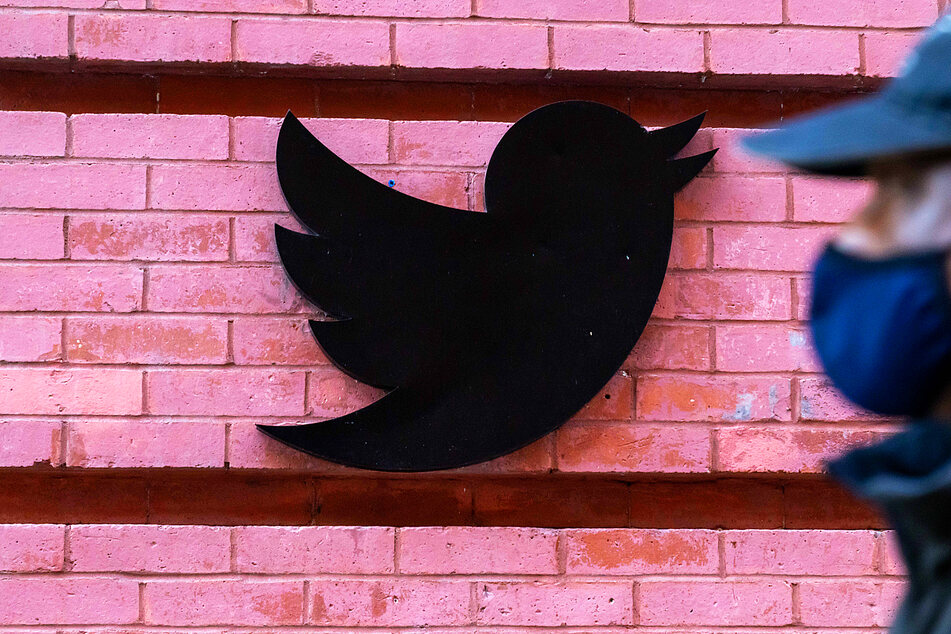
489,329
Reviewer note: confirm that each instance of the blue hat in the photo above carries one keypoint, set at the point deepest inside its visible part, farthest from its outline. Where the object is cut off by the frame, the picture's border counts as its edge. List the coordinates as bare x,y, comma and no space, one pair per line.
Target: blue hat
910,116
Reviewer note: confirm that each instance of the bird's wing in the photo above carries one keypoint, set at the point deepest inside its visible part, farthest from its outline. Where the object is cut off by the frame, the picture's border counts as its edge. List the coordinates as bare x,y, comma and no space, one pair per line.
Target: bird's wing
387,265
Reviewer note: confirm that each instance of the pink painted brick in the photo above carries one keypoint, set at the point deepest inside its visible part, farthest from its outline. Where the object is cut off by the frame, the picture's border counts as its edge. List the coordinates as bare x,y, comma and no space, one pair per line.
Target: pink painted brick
225,289
689,248
800,552
216,187
672,348
551,603
715,602
70,391
333,393
357,141
641,552
224,602
849,603
70,287
804,292
626,447
874,13
73,185
708,12
388,602
75,4
730,157
453,550
724,296
784,449
893,560
445,142
627,48
27,443
783,52
732,198
33,35
155,237
156,549
395,8
330,43
275,341
148,38
131,444
232,6
712,398
31,236
65,600
817,199
443,188
496,46
159,136
615,401
768,248
819,400
886,52
248,448
254,236
31,547
146,339
763,348
575,10
32,133
30,338
314,549
245,392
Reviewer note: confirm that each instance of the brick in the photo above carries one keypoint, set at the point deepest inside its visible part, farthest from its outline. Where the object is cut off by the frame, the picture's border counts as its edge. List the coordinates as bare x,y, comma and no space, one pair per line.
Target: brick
614,402
388,602
798,552
72,186
244,392
333,393
275,341
817,199
147,38
224,602
708,12
70,287
874,13
720,503
785,450
239,499
724,296
30,338
40,391
783,52
819,400
25,498
248,448
157,136
232,6
25,236
254,236
146,339
577,10
641,552
731,157
672,348
533,458
732,198
394,502
689,248
439,187
32,133
156,549
453,550
33,35
561,502
886,52
27,443
548,603
153,237
704,602
132,444
216,187
804,293
712,398
763,348
75,4
331,43
766,248
627,48
314,549
818,505
851,603
395,8
456,45
893,562
220,289
357,141
445,142
31,547
64,600
623,448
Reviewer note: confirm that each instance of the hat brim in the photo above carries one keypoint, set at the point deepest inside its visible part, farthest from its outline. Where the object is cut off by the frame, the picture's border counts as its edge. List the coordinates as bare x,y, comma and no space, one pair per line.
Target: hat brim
843,140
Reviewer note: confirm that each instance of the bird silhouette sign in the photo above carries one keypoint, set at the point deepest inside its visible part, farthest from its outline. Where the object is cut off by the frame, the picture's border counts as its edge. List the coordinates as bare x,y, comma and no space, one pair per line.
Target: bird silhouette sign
489,330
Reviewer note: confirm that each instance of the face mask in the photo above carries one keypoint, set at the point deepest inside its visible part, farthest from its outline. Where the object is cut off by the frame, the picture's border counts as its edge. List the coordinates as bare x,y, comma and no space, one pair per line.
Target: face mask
882,328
